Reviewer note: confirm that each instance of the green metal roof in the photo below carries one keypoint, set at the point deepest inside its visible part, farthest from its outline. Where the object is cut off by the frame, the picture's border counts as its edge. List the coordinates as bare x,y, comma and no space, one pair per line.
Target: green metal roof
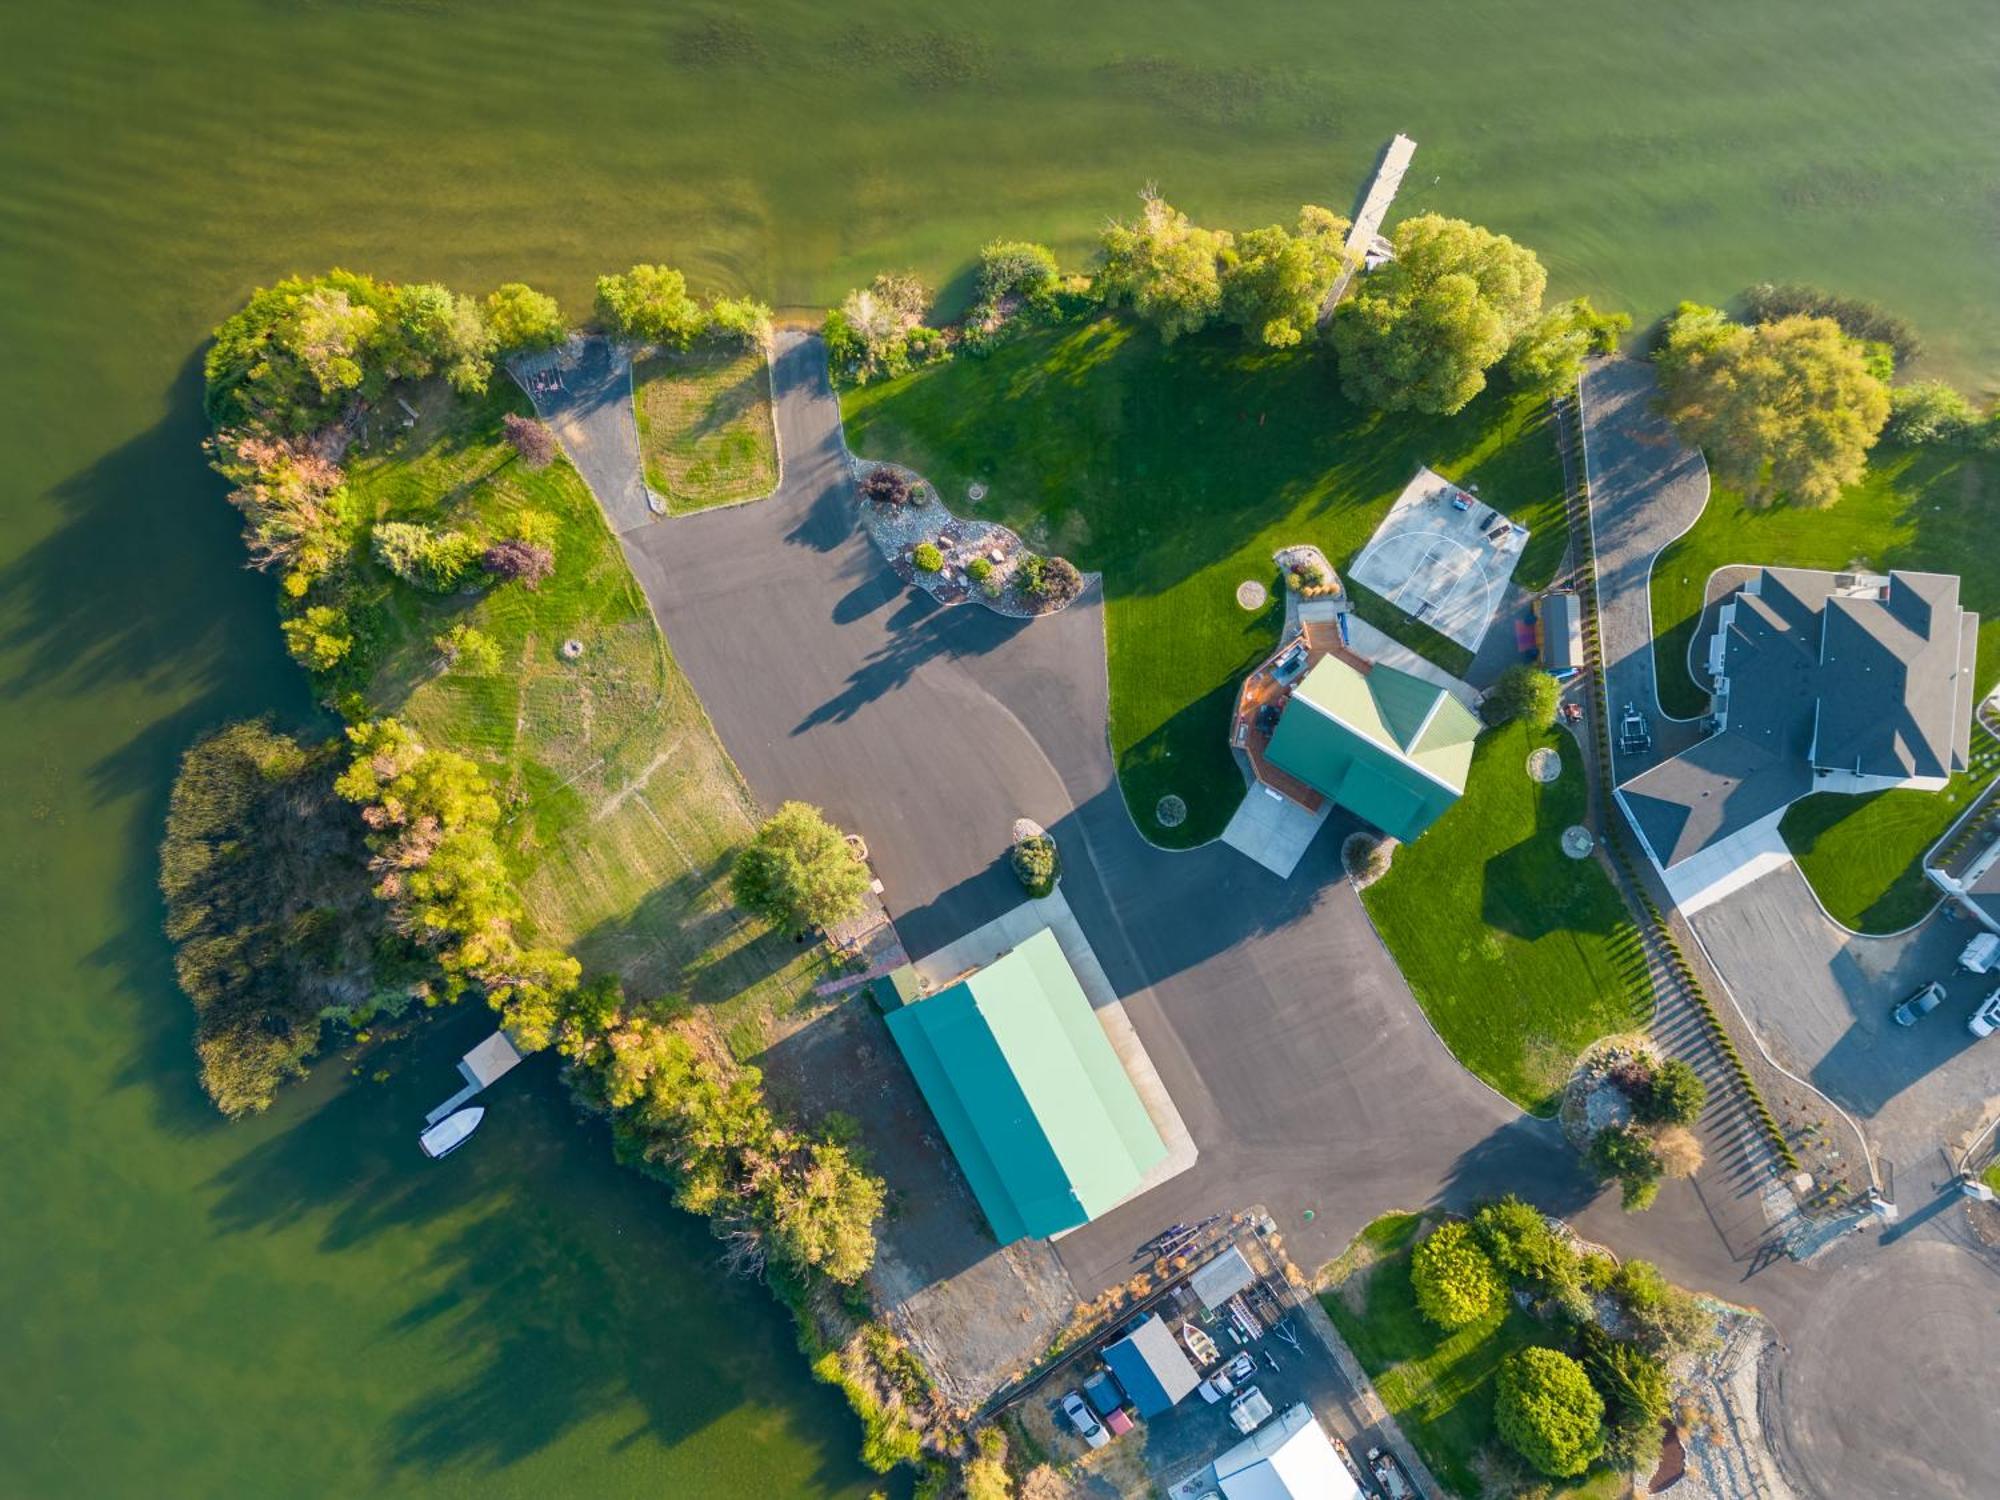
1029,1094
1387,746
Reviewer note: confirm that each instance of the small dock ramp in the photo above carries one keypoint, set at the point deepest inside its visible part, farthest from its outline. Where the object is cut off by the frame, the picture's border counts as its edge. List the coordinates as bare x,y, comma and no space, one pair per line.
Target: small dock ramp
484,1064
1273,830
1368,222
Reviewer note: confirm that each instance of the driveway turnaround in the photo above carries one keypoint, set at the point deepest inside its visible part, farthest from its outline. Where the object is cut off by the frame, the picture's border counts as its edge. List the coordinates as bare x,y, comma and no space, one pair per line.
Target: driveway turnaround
1646,488
1820,997
592,414
1293,1050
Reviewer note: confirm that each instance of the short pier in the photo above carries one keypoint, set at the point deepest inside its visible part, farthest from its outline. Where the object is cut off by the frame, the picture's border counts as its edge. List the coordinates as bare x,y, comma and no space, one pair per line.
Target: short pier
1368,222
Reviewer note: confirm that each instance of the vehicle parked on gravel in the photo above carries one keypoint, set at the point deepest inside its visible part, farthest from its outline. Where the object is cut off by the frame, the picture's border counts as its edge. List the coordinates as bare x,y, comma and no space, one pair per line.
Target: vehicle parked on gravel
1919,1005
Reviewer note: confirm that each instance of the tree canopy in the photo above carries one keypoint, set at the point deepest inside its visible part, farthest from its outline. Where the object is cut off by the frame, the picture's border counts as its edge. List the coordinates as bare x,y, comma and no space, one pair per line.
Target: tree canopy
290,357
1422,330
1167,268
1274,279
1454,1281
1523,692
1547,1411
1784,410
1549,353
651,303
798,873
522,318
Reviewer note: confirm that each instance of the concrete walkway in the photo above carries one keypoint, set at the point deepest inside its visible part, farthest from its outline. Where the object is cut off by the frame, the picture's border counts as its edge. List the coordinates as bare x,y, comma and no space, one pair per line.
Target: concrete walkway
1293,1050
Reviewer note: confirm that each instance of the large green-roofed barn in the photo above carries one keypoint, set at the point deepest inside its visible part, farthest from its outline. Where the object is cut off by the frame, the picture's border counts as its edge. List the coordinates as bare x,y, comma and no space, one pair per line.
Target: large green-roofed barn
1387,746
1032,1099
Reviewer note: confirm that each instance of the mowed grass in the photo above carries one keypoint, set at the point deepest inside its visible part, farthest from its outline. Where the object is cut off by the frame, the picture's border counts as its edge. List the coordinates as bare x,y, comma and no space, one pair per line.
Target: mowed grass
1439,1387
1927,511
705,427
1176,471
622,810
1520,956
1864,855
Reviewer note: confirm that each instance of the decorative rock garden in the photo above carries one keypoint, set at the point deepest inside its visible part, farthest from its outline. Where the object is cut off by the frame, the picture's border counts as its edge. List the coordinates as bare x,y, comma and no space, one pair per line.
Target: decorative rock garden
1306,572
957,559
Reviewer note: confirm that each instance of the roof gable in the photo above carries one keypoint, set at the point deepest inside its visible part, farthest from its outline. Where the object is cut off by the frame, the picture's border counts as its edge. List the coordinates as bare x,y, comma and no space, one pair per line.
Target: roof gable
1028,1092
1151,1367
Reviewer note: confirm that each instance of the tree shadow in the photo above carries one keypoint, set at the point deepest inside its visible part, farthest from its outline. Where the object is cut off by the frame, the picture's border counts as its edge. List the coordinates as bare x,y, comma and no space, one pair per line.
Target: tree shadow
950,634
668,942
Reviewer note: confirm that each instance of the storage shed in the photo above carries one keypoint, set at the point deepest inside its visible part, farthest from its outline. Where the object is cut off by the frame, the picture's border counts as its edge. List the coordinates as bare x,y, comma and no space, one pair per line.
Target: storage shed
1151,1367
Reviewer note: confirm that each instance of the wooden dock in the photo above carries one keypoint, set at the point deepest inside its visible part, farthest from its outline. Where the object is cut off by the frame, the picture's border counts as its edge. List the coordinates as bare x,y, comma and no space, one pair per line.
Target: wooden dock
1368,222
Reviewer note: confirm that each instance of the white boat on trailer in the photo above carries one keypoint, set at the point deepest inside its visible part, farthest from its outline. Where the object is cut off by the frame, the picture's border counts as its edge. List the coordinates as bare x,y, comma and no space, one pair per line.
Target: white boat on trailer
451,1132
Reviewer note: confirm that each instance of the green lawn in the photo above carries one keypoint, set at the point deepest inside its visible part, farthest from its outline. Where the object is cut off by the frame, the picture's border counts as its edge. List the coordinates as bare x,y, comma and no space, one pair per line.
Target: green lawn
1938,512
705,428
1864,855
623,810
1520,956
1438,1387
1176,472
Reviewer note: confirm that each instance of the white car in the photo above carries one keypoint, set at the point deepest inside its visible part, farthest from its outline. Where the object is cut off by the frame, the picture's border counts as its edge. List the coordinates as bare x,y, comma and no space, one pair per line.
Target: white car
1986,1020
1088,1427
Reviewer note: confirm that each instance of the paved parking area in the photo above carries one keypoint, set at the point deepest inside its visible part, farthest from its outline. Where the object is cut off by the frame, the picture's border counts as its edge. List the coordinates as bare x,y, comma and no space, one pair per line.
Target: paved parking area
1273,830
1820,999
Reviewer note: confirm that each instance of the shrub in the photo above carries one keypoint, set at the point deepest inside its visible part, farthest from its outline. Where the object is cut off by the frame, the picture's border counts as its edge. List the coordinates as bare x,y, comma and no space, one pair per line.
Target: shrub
470,651
1667,1320
1673,1095
875,328
1036,864
1523,1245
1547,1411
1523,692
885,486
319,638
518,561
927,558
991,587
1454,1282
1626,1155
532,439
1019,268
1636,1393
1930,411
798,873
980,569
742,319
1678,1151
1052,579
423,556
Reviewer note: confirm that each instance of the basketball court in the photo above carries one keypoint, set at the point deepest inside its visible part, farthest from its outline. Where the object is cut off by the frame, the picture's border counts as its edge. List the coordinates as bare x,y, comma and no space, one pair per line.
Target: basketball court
1439,563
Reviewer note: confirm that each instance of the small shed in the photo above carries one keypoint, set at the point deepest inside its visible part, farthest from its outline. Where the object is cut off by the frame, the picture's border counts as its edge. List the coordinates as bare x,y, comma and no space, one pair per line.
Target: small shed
491,1060
1562,633
1151,1367
1222,1278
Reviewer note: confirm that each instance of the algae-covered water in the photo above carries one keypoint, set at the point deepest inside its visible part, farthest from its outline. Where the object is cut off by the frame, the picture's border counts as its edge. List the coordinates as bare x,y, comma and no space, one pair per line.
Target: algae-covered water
298,1305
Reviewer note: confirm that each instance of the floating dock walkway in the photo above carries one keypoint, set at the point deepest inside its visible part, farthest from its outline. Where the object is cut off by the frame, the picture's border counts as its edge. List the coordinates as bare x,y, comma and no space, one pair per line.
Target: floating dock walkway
1368,223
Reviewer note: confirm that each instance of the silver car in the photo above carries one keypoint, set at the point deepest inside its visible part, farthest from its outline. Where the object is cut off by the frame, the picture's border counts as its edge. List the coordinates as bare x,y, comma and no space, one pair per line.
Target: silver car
1087,1426
1919,1005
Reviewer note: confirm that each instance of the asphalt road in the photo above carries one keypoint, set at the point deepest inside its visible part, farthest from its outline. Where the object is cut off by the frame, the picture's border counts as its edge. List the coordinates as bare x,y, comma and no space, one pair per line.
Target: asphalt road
1298,1057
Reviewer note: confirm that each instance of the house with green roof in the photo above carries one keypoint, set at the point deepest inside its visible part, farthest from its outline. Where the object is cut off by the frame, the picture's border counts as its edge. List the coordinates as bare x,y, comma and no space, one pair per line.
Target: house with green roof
1390,747
1028,1091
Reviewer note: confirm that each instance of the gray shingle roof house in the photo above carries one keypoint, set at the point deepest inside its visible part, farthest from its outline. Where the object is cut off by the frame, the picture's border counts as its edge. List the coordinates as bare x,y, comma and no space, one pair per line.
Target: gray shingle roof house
1822,682
1976,883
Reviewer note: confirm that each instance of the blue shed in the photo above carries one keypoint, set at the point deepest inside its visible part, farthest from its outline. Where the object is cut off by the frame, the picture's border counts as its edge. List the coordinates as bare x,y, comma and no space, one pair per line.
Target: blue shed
1151,1367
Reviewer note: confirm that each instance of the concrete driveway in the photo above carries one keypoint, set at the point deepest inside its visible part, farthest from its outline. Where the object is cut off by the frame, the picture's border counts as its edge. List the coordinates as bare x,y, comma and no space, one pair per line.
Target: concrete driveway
1294,1050
1820,998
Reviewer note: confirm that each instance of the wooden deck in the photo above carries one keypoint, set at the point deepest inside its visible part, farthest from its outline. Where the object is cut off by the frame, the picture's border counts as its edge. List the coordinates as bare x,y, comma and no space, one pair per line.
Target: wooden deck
1263,687
1368,222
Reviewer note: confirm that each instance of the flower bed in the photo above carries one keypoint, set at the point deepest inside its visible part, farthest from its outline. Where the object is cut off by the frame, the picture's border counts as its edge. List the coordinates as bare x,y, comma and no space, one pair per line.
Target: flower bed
980,562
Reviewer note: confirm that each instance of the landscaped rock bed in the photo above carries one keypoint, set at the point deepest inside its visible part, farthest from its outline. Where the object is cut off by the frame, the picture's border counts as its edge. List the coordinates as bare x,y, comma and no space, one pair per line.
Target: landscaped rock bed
981,562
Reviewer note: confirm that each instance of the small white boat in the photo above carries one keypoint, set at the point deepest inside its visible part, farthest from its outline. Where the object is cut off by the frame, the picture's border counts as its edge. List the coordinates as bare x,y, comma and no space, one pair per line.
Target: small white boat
451,1132
1200,1345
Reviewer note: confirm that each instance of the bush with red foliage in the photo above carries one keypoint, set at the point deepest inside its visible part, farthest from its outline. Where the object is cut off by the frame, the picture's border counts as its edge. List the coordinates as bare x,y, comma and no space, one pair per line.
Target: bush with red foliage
531,439
886,486
516,561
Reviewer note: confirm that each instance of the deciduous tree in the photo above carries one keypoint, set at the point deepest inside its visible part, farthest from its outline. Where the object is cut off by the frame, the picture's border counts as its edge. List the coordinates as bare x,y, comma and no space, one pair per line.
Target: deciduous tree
523,319
651,303
1549,353
1422,331
1523,692
1274,279
798,873
1785,410
532,439
1167,268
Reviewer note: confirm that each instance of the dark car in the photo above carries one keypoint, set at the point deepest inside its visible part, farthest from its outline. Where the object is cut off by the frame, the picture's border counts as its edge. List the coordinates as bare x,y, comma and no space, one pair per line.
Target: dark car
1102,1392
1919,1005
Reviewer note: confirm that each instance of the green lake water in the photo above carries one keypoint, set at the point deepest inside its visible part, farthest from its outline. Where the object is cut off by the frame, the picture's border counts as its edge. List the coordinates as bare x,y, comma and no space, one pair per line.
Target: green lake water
299,1305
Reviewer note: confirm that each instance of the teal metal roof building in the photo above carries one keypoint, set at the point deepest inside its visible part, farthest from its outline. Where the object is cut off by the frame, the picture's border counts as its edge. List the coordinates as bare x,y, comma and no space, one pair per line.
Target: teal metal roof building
1387,746
1028,1091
